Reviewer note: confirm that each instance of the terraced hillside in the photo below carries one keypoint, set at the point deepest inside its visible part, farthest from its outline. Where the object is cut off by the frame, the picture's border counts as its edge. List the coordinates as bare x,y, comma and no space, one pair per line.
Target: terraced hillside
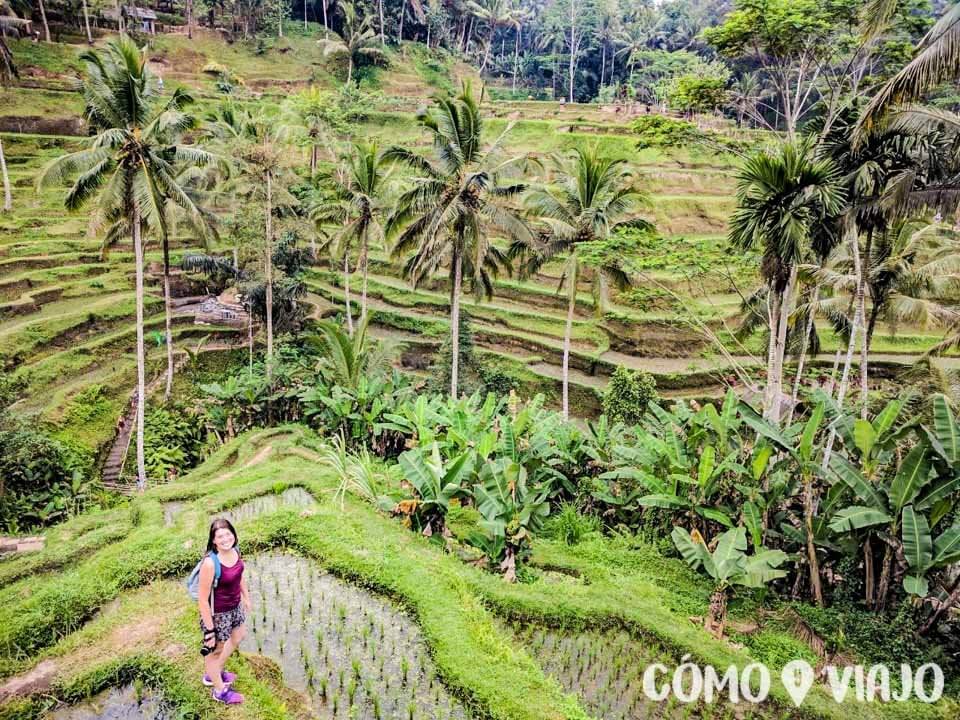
353,615
66,311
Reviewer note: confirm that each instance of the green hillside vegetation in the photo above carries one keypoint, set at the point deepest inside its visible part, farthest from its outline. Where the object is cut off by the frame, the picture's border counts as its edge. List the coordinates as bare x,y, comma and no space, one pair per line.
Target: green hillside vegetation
525,346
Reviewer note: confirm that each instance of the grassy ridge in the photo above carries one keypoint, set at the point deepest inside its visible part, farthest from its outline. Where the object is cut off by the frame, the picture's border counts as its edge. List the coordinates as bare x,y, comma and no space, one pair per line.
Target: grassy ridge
624,587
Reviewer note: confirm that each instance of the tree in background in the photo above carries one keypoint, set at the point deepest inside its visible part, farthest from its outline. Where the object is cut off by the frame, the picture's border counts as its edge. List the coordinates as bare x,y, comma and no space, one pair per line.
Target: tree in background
782,198
596,198
455,201
357,41
354,199
129,166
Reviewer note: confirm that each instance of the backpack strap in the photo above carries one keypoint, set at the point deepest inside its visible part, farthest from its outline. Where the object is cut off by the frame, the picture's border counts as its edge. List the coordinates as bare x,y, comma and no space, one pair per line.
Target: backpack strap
216,568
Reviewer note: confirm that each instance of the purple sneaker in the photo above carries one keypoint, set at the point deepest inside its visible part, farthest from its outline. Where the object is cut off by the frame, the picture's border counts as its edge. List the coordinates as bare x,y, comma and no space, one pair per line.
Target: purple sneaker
227,677
229,696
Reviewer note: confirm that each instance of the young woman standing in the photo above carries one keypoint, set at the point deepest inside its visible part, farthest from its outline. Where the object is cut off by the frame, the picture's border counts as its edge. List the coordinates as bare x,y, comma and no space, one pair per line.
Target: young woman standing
223,624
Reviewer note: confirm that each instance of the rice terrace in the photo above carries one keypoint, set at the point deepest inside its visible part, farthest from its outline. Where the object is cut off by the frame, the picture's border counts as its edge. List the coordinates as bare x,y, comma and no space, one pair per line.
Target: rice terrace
480,360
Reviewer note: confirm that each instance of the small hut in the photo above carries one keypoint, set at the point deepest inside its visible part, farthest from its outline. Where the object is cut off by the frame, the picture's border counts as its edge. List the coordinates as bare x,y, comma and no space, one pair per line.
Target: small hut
224,309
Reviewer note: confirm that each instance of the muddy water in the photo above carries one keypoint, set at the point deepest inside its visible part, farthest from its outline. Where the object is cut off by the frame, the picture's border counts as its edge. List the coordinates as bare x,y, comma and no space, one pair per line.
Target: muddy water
117,704
605,669
355,654
295,497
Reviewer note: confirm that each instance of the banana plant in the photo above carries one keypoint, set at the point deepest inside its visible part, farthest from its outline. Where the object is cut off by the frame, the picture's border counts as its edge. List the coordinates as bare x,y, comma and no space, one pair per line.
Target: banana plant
434,483
944,438
923,553
512,510
417,421
882,500
728,566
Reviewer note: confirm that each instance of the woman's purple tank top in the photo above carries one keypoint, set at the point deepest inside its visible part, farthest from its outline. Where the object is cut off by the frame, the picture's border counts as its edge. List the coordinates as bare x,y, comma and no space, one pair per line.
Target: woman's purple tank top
226,595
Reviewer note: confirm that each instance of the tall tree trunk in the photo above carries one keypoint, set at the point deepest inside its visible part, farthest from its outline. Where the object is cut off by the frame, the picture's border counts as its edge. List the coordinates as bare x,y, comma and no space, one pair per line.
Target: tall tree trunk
250,339
326,25
780,347
568,331
862,272
141,350
573,44
313,159
775,306
364,253
383,37
86,23
350,70
803,354
403,14
851,344
305,28
43,17
603,62
346,289
268,274
189,19
455,322
816,591
166,312
7,196
486,52
516,57
869,578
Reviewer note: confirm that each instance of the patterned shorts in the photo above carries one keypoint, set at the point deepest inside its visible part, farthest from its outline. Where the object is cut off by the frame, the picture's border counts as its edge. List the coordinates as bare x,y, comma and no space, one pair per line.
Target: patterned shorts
225,622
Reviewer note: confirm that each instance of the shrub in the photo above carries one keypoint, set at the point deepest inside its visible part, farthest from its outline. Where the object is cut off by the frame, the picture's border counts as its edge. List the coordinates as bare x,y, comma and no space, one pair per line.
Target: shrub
570,526
627,395
660,131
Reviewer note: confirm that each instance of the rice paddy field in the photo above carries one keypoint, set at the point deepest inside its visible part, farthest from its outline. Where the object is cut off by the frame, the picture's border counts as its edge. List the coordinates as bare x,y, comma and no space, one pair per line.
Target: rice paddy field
352,615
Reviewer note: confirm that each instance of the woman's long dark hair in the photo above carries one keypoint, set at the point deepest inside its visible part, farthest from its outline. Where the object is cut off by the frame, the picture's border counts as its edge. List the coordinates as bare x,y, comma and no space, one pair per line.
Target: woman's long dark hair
216,525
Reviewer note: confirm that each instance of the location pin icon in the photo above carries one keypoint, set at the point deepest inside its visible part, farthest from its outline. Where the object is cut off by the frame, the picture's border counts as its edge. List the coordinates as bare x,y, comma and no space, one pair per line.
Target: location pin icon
797,677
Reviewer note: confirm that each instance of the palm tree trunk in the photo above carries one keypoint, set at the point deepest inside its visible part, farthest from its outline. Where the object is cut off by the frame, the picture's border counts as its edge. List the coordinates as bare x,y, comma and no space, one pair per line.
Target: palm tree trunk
189,9
86,23
364,252
383,38
789,295
773,321
141,352
268,272
862,269
7,196
803,354
845,376
305,28
567,332
350,70
166,312
313,159
346,289
516,57
403,14
486,53
455,322
43,17
323,4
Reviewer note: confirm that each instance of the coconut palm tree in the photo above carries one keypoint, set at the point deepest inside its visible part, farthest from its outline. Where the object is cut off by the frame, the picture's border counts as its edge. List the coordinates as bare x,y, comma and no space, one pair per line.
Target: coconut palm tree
129,166
496,14
309,112
782,198
455,201
936,60
597,198
355,199
357,41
